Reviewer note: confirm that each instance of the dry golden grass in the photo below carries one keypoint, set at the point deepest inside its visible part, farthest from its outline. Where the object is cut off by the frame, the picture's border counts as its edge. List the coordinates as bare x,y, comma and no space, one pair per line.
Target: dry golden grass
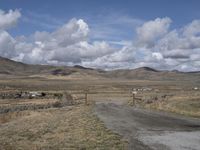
26,101
4,118
67,128
76,127
183,103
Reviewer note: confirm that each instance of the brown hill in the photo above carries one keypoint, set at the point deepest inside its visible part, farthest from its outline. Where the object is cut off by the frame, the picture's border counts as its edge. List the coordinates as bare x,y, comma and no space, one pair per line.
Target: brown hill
146,73
10,67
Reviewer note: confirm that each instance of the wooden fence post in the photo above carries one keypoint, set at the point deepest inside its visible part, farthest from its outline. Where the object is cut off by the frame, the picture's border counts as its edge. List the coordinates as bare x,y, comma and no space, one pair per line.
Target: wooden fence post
86,97
134,99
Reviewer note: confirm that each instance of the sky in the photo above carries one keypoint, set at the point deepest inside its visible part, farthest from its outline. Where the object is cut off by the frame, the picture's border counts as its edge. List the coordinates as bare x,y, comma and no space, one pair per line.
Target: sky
106,34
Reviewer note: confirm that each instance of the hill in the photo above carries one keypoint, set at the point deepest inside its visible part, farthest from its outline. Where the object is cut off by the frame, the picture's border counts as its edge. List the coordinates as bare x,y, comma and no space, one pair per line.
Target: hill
10,67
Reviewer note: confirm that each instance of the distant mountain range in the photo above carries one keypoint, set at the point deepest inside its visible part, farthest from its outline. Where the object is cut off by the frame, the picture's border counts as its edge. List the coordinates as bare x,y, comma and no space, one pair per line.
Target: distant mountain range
10,67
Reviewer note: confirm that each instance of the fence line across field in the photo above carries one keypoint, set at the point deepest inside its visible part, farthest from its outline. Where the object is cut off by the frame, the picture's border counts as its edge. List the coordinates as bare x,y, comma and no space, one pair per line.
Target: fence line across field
88,92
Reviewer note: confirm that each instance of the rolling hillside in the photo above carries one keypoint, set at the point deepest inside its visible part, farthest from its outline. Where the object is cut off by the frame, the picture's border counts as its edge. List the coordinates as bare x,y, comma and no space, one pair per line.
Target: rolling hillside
10,67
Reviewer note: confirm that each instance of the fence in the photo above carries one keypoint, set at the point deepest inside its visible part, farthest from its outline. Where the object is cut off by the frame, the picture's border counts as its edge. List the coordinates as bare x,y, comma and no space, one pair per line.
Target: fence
90,96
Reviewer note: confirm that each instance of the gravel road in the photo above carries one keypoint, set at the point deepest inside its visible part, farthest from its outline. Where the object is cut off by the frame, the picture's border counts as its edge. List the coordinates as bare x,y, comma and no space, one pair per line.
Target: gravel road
150,130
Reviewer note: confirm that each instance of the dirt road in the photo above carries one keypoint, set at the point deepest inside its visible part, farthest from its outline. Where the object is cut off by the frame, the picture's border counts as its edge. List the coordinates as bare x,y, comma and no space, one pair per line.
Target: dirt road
147,129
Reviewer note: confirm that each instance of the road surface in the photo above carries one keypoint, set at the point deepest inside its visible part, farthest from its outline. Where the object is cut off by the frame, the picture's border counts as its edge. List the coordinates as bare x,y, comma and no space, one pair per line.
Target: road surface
150,130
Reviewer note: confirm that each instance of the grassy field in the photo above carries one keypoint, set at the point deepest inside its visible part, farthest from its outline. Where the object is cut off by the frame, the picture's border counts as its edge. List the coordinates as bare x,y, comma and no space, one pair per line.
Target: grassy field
72,127
185,103
75,127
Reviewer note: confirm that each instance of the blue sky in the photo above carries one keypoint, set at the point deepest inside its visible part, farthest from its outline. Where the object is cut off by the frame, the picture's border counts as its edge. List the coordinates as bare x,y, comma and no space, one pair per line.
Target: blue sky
109,34
50,14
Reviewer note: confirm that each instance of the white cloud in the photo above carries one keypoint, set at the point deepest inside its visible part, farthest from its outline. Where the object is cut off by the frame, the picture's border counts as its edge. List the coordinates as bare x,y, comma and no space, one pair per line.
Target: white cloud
72,32
150,31
7,44
192,29
9,19
157,56
154,46
66,45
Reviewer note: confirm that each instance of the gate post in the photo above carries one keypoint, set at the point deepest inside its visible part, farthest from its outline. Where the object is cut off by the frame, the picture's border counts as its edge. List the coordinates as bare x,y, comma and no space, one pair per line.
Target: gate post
86,97
134,99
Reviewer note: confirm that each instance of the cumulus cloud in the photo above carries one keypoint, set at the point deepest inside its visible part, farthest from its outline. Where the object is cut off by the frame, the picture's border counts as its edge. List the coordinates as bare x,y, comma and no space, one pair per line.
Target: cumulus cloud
9,19
7,42
175,49
157,56
67,45
7,45
151,31
155,45
192,29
